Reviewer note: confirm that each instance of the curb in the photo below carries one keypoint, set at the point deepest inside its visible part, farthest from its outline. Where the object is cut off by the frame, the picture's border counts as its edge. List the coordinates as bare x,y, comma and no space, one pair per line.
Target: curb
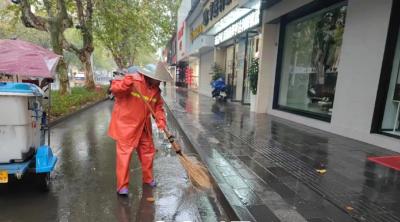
63,118
229,210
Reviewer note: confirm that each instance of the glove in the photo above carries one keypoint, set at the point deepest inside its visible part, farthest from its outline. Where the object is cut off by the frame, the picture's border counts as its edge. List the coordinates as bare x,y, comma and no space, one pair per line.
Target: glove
128,80
161,124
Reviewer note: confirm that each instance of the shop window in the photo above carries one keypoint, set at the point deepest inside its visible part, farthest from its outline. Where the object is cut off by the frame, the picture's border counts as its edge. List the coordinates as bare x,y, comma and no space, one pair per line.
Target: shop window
390,123
308,62
387,112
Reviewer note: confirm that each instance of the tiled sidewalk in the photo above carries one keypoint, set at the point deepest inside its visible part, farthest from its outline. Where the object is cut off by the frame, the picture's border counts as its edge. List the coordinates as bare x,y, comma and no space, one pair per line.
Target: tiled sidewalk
267,167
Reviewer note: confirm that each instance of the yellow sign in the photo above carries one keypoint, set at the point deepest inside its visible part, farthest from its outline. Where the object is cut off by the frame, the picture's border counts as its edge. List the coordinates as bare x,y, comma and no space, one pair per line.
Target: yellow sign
196,32
3,177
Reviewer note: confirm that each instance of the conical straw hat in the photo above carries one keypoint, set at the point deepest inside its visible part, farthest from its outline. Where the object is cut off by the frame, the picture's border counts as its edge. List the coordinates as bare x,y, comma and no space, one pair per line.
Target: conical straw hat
157,72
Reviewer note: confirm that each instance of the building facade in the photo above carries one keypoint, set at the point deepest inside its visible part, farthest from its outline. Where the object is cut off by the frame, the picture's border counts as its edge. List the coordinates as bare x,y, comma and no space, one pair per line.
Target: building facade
333,65
223,34
182,68
200,50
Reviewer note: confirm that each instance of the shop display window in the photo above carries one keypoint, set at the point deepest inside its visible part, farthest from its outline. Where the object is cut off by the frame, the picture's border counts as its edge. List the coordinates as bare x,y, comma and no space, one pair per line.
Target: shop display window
308,62
386,119
390,123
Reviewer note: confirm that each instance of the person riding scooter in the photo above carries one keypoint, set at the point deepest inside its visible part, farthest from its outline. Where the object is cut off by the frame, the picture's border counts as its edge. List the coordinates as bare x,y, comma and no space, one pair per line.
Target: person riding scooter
130,124
220,92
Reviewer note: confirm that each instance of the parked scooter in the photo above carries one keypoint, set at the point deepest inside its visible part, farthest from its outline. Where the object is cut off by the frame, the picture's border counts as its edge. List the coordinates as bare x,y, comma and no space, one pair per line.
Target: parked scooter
220,90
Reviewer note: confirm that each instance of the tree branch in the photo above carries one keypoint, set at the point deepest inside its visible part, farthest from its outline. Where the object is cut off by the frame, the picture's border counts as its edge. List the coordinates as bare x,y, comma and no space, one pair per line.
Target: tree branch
63,16
81,17
85,23
71,47
47,5
31,20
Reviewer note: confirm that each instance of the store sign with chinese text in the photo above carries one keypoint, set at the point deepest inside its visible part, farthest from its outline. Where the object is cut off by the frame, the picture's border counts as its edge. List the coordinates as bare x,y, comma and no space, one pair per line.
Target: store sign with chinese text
196,32
215,10
238,27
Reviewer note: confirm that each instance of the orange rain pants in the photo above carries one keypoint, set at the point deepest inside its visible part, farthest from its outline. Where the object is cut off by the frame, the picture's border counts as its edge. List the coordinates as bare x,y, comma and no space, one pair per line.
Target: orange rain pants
146,152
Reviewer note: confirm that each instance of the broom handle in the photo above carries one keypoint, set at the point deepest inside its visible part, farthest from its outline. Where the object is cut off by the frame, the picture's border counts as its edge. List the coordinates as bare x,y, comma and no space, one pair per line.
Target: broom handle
170,137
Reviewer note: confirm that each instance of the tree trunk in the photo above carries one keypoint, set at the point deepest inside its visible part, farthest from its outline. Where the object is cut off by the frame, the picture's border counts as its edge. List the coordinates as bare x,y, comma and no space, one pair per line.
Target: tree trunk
87,64
62,69
119,61
131,62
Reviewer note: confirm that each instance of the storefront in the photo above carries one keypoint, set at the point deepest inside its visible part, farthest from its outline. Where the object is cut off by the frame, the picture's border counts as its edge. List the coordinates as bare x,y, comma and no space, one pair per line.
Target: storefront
198,52
182,38
181,77
333,65
238,57
309,56
235,28
192,73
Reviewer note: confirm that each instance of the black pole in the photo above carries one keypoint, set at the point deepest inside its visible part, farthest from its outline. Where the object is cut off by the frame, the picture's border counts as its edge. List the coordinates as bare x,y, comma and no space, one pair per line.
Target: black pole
245,66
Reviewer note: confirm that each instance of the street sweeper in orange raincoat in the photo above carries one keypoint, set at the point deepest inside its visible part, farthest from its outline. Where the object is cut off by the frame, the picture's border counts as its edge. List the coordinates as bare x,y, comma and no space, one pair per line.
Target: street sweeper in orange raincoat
130,123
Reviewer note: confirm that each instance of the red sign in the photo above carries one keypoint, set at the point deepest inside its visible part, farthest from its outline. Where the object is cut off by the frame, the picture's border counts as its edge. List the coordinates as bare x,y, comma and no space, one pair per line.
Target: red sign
189,75
180,32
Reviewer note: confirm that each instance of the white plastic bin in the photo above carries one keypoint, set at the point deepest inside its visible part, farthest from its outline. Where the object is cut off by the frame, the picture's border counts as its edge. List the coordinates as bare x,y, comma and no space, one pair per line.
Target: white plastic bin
19,126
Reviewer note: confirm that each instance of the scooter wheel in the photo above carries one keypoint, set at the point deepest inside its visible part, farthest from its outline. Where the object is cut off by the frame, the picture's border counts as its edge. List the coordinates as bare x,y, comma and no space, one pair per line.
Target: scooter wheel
44,181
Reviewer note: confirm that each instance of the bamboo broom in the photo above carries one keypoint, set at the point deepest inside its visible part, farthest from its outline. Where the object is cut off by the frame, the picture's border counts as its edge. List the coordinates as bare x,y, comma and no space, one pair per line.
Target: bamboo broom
195,170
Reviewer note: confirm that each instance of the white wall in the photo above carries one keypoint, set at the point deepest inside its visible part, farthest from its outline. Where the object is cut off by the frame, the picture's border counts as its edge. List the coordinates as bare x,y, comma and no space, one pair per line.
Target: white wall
206,62
359,70
183,11
360,65
266,76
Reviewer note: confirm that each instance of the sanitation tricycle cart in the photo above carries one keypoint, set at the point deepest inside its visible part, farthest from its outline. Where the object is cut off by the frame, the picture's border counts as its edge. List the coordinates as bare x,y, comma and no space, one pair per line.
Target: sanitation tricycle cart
22,125
23,119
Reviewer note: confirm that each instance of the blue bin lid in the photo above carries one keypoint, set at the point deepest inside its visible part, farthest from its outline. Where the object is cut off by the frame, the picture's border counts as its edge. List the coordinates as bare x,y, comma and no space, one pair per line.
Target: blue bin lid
19,88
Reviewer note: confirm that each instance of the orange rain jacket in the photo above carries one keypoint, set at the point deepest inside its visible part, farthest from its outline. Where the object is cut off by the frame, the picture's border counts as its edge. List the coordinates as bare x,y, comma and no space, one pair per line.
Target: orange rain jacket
131,118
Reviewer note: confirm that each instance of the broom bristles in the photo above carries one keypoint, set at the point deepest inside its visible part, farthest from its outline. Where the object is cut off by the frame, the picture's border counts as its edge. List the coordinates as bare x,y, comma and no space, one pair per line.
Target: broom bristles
196,171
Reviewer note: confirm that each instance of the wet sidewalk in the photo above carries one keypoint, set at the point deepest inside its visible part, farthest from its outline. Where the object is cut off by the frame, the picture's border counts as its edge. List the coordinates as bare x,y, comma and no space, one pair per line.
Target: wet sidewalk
269,168
84,181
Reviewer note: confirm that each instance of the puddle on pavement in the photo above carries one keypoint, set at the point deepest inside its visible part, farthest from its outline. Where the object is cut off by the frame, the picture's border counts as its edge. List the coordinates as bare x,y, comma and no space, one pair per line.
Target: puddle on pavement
176,198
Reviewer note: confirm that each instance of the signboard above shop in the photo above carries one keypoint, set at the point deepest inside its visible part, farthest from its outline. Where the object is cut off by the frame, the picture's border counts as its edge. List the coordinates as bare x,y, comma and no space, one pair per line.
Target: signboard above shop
214,10
196,32
249,21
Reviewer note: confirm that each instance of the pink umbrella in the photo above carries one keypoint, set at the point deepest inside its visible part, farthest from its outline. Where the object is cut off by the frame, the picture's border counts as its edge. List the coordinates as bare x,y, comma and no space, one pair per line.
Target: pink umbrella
26,59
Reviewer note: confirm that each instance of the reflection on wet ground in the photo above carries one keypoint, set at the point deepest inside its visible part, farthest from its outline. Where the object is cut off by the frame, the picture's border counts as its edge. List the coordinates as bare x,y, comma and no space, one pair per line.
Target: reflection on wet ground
84,182
274,168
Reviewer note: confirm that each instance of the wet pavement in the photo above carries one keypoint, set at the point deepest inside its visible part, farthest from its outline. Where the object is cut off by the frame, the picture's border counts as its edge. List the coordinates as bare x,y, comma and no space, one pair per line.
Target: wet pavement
84,181
271,169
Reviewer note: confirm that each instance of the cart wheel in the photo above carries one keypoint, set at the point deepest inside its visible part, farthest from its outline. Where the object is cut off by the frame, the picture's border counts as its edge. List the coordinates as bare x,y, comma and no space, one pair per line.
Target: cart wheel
44,181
